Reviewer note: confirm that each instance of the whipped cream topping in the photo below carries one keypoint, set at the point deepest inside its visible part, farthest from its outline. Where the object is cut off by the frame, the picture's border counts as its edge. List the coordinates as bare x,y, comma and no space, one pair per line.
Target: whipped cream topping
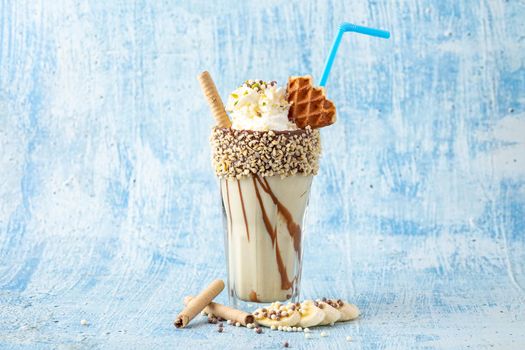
259,106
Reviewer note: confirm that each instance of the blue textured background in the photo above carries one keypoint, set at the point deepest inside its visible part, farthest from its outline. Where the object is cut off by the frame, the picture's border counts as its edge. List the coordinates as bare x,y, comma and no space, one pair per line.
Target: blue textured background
417,214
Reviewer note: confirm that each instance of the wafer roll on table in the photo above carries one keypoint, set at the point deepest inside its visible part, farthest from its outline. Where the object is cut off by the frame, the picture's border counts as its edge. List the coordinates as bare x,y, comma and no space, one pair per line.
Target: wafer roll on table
197,304
214,100
225,312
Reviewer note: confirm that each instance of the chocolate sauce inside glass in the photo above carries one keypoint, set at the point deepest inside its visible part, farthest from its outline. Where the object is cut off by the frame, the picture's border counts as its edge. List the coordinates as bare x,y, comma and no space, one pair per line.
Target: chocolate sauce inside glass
243,211
293,228
229,207
285,281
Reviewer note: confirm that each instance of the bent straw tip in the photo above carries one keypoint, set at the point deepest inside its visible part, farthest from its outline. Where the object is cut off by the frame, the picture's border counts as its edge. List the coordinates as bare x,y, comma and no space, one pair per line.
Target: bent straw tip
350,27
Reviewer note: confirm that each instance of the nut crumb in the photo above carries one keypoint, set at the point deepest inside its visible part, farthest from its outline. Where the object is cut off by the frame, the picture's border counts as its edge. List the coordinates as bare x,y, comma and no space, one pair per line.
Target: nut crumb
242,153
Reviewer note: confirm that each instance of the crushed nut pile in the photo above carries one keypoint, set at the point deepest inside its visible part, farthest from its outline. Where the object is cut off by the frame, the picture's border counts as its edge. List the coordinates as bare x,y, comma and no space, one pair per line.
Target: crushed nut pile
242,153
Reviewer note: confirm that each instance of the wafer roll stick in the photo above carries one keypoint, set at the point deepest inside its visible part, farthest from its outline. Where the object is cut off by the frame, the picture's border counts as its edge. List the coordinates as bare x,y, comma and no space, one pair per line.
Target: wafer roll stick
225,312
197,304
214,100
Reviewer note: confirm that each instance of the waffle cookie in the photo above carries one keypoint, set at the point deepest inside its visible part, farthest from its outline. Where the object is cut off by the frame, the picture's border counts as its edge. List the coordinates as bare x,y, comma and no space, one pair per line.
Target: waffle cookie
309,105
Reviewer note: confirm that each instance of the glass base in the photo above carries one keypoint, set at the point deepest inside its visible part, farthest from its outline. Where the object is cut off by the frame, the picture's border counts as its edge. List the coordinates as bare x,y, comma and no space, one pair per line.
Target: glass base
250,306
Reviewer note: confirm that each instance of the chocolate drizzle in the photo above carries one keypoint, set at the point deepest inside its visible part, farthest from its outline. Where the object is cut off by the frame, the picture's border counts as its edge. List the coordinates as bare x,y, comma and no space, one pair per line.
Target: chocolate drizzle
229,207
285,281
293,228
253,297
243,210
272,232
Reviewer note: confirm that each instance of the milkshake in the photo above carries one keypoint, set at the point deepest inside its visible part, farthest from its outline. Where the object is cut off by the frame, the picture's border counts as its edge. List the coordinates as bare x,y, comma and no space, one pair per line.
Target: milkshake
265,163
264,211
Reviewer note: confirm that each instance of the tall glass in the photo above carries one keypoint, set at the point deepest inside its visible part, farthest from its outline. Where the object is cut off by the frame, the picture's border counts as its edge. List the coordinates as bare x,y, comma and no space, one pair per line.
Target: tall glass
265,179
263,219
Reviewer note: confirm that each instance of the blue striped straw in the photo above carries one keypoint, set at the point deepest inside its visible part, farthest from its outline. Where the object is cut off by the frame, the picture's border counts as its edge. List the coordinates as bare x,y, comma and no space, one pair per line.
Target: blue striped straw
348,27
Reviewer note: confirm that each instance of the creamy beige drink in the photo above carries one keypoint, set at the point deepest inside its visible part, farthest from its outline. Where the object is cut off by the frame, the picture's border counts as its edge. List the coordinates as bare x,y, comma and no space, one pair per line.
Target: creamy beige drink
266,162
265,180
264,219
